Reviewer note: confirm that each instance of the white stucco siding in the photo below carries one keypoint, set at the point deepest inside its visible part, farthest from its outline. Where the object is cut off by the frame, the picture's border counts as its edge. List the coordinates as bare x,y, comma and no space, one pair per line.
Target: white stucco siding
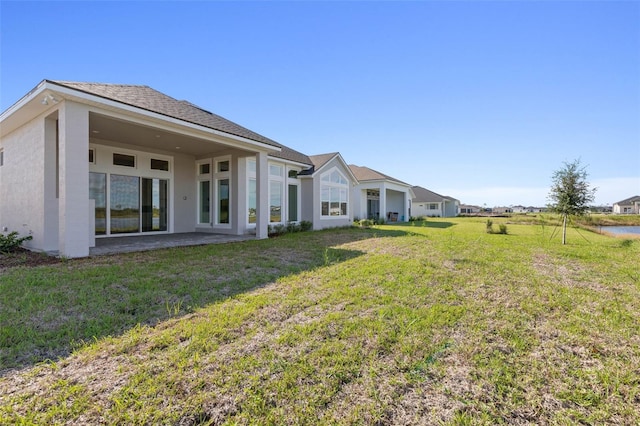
423,209
184,194
22,184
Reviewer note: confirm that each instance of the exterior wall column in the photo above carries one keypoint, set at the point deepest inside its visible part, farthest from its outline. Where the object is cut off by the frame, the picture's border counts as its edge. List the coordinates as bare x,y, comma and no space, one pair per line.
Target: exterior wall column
239,195
383,202
73,180
407,203
50,199
262,196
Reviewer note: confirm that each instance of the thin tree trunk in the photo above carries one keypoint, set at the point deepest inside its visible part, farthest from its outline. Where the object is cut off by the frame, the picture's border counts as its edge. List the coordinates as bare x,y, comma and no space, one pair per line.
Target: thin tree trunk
564,229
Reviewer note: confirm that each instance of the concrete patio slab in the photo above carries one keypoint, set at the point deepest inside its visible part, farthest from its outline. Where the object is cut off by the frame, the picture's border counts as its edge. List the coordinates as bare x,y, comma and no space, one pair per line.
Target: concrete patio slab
113,245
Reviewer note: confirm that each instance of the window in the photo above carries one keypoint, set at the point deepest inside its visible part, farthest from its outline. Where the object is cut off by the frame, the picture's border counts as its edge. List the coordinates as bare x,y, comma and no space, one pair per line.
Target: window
433,206
275,201
223,201
204,201
293,174
252,201
154,204
275,170
92,156
251,191
124,160
98,192
334,194
222,182
159,165
293,203
1,157
204,169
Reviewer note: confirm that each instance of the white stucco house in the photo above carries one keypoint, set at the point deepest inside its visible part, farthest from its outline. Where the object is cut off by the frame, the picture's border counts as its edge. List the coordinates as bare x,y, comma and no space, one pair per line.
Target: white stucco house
470,209
80,161
431,204
630,205
377,195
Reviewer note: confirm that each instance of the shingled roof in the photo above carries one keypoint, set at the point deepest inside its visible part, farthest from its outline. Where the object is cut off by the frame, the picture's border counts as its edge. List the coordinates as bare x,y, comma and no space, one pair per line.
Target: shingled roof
424,195
149,99
628,201
365,174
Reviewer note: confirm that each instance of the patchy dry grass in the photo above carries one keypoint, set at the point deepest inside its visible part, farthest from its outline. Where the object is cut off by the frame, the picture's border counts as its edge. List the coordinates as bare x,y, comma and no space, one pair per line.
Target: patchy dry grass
421,324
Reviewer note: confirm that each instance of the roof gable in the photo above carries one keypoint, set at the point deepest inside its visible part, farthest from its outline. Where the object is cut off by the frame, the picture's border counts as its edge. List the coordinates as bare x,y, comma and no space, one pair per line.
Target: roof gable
321,160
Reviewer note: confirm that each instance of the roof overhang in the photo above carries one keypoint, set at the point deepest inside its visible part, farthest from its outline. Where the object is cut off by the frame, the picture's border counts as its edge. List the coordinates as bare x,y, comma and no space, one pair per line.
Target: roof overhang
47,95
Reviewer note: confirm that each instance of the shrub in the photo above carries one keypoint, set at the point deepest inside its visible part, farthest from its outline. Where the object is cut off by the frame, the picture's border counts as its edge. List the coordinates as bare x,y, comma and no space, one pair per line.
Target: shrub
489,227
293,227
11,241
502,228
281,229
365,223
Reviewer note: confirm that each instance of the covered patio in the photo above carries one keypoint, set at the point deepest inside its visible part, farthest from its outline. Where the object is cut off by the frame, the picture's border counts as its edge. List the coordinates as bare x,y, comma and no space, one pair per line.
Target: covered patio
114,245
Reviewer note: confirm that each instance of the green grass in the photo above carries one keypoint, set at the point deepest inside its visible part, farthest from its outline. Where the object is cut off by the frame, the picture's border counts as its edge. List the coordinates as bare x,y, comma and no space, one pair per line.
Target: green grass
428,322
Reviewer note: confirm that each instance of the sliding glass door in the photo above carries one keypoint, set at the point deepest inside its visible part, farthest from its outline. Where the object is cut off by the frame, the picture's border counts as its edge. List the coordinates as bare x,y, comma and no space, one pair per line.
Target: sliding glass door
134,204
125,204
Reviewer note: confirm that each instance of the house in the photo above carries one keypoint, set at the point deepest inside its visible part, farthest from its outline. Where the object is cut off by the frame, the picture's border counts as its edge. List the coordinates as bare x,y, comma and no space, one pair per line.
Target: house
629,206
469,209
80,161
377,195
502,210
429,203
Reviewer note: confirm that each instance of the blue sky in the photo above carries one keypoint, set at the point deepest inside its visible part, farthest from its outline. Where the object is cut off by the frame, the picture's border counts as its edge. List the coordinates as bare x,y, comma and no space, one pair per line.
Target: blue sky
480,100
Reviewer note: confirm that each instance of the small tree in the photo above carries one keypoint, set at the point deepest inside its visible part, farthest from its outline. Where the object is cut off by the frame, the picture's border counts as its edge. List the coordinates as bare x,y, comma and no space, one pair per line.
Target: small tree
570,193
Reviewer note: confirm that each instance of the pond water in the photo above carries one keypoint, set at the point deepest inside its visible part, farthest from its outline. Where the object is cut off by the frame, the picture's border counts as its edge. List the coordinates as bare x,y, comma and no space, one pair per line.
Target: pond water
622,229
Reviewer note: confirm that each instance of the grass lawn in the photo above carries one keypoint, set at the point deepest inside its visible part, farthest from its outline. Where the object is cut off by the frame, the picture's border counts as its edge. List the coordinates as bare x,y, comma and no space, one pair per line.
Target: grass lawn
432,322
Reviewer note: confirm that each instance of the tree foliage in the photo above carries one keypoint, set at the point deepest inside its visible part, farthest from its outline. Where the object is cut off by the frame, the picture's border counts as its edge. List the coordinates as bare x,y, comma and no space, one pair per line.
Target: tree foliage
570,192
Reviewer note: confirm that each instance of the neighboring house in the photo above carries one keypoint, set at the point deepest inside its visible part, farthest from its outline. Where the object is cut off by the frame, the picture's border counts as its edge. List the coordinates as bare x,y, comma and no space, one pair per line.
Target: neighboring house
468,209
377,195
432,204
80,161
502,210
629,206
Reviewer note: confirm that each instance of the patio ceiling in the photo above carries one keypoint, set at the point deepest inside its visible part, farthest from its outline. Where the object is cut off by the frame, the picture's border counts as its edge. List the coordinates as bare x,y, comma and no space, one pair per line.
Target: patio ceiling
126,132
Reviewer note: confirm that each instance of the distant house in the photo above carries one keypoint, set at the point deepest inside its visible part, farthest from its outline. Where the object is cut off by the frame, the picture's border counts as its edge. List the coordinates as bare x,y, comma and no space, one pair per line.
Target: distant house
529,209
468,209
377,196
502,210
432,204
628,206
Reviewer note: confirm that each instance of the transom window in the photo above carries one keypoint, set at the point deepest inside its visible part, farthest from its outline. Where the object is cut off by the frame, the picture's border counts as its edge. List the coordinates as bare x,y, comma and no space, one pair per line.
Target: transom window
124,160
159,164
